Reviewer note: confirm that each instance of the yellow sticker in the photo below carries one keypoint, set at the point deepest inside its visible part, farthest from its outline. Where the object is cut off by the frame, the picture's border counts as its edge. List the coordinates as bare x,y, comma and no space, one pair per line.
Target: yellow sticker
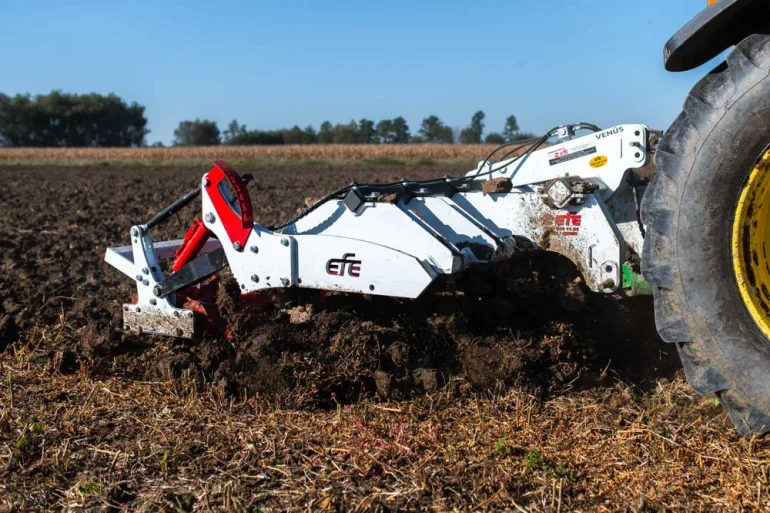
598,161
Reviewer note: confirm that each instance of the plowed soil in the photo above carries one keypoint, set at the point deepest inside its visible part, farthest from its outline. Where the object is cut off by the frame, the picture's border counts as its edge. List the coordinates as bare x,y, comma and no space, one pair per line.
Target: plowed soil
519,336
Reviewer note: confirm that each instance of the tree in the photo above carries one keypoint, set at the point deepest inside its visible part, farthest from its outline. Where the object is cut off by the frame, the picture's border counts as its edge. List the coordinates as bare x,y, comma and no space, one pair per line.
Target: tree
494,138
433,130
196,133
5,102
310,137
294,135
429,127
511,128
400,131
384,131
325,135
258,137
345,134
366,132
523,136
234,130
467,136
393,131
71,120
473,134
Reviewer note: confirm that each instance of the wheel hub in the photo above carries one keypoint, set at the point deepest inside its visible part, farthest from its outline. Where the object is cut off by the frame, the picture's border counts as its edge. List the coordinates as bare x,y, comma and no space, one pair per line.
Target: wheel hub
750,242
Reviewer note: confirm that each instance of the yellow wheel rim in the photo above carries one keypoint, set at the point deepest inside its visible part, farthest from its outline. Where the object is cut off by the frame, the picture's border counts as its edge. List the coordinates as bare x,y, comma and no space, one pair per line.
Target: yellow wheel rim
751,242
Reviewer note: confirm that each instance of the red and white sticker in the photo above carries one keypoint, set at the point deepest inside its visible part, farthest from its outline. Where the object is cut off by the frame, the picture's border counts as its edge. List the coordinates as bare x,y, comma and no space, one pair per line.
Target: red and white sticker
564,154
563,224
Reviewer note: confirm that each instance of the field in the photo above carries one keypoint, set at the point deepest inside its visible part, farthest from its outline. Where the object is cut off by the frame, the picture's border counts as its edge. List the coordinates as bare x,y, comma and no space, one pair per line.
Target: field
515,392
384,153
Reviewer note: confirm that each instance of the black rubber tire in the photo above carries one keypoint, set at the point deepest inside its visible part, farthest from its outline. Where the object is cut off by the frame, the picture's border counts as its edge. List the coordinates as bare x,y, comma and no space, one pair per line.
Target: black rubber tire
703,161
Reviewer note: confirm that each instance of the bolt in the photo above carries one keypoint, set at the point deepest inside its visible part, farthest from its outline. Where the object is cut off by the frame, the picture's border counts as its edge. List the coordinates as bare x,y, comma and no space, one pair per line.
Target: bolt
285,282
145,270
176,313
135,232
285,241
255,278
237,246
157,290
243,287
145,282
153,302
209,217
371,287
125,309
254,249
206,182
139,277
138,310
190,315
637,154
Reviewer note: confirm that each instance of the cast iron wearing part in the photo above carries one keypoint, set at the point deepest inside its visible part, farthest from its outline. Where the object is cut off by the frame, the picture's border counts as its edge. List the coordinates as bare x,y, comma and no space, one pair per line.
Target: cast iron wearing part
192,273
151,319
713,30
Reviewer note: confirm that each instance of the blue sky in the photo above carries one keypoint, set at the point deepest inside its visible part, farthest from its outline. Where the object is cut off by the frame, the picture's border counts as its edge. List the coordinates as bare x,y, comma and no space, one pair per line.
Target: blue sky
275,64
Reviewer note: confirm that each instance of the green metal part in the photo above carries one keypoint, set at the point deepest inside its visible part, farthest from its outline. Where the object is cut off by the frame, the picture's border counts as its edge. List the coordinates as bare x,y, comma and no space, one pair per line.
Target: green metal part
633,283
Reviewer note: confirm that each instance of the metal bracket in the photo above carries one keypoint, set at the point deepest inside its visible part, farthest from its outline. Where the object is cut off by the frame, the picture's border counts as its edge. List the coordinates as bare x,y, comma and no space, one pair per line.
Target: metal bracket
192,273
561,192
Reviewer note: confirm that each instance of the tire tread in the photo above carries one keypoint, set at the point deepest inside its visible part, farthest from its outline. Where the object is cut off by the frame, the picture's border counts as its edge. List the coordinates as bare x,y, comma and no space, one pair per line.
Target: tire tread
706,367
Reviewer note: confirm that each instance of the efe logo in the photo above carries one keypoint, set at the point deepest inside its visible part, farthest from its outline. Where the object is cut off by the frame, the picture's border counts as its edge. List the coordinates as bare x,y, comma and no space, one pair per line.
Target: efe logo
560,153
563,224
337,266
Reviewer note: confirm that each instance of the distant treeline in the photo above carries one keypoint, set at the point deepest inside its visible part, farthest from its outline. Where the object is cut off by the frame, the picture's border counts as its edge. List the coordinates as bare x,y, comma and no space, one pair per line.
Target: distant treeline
365,131
71,120
93,120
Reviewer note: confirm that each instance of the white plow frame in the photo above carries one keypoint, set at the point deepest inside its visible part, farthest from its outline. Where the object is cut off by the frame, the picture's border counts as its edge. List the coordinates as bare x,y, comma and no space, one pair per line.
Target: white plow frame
398,246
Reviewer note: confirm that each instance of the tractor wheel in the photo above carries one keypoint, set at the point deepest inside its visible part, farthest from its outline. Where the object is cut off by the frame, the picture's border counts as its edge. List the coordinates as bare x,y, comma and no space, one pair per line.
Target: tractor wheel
707,213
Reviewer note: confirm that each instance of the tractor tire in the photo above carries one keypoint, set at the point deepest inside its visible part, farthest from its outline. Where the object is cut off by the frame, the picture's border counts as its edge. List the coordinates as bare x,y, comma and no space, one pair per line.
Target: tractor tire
703,164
